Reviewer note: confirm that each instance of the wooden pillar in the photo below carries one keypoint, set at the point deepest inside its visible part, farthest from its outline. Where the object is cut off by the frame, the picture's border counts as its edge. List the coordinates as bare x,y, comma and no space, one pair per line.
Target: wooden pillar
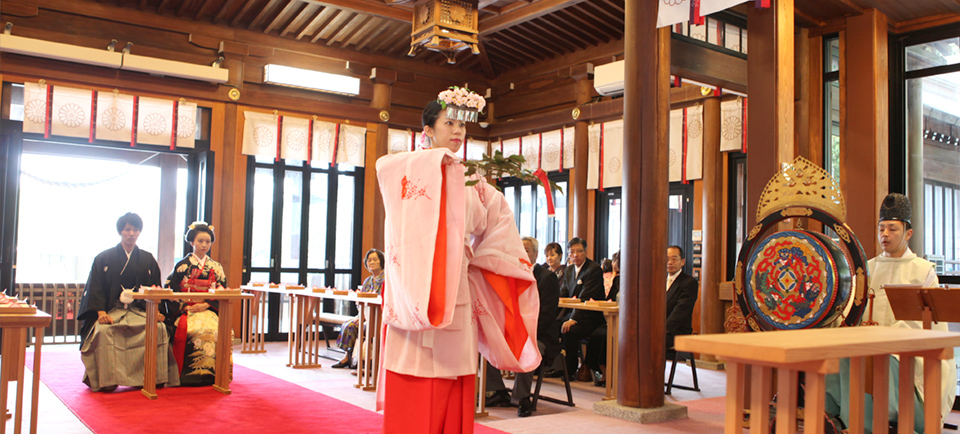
915,162
770,112
866,136
229,211
645,188
374,215
711,308
581,158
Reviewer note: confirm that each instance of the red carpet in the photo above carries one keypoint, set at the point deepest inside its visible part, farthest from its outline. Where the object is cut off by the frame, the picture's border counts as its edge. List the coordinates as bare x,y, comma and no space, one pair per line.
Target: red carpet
259,403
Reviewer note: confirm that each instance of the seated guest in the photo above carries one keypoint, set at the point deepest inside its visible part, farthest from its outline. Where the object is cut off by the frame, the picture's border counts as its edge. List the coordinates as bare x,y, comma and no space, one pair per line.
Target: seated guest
682,292
348,331
554,255
596,357
113,330
584,280
195,342
547,338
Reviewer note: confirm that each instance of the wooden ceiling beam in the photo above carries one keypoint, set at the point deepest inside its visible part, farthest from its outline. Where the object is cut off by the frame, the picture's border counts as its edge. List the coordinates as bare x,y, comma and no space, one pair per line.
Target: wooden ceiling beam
143,4
309,10
380,43
349,29
319,21
281,18
270,6
485,66
362,31
807,20
204,7
370,37
600,17
184,6
502,48
558,34
570,28
602,31
370,7
247,5
522,45
523,14
330,28
223,10
162,6
561,43
610,12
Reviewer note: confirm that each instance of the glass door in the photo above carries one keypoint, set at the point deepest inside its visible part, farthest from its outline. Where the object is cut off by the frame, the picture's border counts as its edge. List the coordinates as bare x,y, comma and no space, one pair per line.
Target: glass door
11,146
302,229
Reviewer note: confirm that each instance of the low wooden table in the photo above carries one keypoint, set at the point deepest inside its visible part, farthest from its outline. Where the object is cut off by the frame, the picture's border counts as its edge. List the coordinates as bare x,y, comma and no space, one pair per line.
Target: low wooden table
611,314
224,337
816,352
368,335
13,358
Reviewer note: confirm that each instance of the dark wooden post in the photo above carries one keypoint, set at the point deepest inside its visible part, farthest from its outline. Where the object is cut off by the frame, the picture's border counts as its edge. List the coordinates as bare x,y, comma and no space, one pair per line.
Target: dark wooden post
373,219
711,309
646,107
581,158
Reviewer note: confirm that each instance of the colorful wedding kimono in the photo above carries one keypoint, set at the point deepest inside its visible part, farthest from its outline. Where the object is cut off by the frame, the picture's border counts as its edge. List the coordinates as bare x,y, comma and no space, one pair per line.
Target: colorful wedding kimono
112,354
906,270
195,341
459,282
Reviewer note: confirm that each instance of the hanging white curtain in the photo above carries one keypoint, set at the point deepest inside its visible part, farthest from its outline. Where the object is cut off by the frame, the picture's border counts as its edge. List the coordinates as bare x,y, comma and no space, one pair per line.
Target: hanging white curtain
593,156
352,146
293,138
399,141
694,154
71,112
672,11
531,151
675,157
186,124
731,125
569,143
114,116
476,149
34,108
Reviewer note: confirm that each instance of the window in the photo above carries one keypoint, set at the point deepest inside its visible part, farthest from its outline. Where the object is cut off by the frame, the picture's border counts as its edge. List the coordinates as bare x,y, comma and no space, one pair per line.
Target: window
831,106
736,209
530,199
930,68
302,227
609,214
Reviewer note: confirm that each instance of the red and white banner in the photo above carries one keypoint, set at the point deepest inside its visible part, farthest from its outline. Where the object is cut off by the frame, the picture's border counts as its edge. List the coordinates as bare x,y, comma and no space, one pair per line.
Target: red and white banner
593,156
731,125
34,108
675,157
324,134
476,149
259,134
114,116
352,146
294,136
568,146
71,112
186,124
530,148
606,155
550,157
154,121
694,151
400,141
672,11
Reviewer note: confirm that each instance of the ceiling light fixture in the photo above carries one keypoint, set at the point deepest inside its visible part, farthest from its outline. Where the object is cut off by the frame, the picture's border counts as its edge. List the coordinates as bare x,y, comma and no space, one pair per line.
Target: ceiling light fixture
444,26
311,80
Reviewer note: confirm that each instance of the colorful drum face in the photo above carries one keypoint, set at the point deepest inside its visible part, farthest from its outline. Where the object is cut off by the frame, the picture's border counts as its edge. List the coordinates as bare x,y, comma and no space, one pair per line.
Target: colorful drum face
797,280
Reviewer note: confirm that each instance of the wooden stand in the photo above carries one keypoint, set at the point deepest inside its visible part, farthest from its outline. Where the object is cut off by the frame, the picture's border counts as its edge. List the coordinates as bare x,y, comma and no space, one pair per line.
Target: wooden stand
928,305
13,358
611,312
224,364
816,352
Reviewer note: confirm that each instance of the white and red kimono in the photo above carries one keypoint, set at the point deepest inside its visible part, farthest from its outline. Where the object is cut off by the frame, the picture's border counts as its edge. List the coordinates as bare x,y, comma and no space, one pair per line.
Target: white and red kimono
458,282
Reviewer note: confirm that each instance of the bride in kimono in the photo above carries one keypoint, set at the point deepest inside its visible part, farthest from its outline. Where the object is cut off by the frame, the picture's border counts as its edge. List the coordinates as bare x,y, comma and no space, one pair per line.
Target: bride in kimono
194,343
458,279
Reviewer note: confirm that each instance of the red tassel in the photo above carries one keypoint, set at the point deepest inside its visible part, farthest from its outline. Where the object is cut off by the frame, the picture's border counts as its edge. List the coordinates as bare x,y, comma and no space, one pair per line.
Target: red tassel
718,91
676,81
521,146
762,4
561,149
601,158
695,17
310,143
683,160
336,145
279,135
176,118
48,122
548,189
93,117
136,112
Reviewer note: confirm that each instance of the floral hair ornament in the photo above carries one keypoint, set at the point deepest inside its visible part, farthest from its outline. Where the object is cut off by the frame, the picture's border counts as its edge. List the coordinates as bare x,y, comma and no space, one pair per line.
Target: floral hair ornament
199,222
461,103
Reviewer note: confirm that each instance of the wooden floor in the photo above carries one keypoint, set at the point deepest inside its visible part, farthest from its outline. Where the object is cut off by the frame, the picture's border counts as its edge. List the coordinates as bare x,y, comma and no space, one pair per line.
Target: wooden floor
705,414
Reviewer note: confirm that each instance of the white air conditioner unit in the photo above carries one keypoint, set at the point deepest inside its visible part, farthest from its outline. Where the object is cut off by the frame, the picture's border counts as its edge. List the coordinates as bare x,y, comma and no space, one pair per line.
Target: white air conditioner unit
608,79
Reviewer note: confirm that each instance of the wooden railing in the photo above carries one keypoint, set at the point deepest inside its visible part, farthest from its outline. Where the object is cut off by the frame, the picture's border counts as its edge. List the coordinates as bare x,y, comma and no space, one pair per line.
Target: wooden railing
62,302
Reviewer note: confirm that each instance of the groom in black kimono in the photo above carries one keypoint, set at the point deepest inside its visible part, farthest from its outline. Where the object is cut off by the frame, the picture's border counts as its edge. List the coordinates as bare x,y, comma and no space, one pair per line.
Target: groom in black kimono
109,324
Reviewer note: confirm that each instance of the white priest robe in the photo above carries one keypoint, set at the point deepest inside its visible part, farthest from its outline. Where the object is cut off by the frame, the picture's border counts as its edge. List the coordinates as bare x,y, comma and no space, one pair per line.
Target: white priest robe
480,295
910,270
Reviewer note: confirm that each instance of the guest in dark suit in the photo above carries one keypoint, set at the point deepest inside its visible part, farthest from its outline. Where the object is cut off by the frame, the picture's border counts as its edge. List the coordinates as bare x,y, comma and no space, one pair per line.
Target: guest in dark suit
584,280
548,337
682,292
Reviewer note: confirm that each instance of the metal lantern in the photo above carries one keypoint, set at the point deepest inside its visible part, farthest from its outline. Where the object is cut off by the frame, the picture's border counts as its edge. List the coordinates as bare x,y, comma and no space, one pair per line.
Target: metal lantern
444,26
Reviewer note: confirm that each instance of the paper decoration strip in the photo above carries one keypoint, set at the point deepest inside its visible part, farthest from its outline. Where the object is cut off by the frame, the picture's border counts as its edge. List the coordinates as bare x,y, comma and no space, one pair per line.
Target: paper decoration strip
323,136
353,144
568,146
593,156
259,134
531,151
731,125
694,154
293,138
154,121
399,141
675,156
114,116
613,154
71,112
511,147
708,7
34,107
672,11
186,125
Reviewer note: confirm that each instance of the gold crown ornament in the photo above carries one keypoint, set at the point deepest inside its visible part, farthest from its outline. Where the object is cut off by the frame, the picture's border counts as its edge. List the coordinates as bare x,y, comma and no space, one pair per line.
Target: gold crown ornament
802,184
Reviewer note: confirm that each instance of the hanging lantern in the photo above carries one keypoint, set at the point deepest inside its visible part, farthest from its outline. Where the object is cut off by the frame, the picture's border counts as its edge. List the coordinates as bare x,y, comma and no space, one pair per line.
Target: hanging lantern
444,26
